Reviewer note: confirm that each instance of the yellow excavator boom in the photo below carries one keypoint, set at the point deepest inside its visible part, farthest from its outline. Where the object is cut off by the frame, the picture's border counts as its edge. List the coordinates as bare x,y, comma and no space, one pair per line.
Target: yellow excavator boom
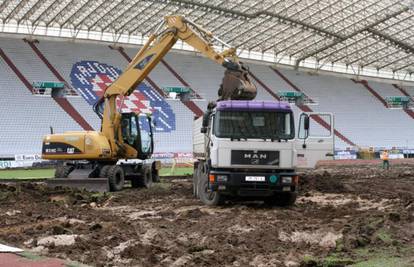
171,29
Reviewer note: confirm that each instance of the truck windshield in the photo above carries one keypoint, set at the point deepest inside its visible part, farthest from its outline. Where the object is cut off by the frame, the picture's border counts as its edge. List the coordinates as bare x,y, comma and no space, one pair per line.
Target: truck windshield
254,125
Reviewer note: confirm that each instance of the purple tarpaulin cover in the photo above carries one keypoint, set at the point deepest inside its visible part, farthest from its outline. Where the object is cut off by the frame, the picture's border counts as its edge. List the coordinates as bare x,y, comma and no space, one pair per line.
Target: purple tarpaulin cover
252,105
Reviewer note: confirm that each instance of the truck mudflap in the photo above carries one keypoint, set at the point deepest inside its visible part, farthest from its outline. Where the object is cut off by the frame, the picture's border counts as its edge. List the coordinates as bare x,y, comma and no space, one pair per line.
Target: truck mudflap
90,184
253,184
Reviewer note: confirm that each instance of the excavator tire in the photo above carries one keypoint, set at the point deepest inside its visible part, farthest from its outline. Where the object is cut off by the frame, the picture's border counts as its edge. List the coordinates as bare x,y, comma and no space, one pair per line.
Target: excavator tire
145,180
116,178
63,171
103,173
155,176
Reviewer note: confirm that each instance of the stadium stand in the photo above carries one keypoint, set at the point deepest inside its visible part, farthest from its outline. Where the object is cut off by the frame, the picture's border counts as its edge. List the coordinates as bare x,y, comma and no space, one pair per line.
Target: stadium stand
358,115
26,118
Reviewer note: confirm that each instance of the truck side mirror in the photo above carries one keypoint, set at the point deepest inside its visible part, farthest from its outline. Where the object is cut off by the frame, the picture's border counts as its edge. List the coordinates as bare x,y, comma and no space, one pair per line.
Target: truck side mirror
304,126
206,118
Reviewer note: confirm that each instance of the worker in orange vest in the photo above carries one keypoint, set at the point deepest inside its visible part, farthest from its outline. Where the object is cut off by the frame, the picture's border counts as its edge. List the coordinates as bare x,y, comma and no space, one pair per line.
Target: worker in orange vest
385,162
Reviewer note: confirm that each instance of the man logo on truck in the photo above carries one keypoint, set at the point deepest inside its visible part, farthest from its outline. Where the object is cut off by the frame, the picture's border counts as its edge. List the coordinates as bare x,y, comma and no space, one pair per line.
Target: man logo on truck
255,156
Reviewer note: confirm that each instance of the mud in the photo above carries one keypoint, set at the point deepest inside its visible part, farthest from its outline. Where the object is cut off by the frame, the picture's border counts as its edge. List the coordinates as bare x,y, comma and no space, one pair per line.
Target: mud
340,210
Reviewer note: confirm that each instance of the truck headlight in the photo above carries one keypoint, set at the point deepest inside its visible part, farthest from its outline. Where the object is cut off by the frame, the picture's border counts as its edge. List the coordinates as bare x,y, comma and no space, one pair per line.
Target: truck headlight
287,180
221,178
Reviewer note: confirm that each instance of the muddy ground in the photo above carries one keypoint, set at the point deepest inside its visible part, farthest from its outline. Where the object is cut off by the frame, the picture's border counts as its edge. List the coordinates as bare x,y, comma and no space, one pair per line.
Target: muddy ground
343,216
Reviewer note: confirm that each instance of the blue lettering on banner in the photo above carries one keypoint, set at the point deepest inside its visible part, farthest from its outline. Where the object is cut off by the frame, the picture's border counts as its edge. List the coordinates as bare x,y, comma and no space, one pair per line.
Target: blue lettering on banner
91,78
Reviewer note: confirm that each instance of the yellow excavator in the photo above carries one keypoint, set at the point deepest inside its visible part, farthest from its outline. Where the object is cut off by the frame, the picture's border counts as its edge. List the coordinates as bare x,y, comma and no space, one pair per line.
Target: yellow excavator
121,150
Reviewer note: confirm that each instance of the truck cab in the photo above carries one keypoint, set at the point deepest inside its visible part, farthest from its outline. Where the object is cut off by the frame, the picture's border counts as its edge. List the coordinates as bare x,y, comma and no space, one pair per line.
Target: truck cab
246,149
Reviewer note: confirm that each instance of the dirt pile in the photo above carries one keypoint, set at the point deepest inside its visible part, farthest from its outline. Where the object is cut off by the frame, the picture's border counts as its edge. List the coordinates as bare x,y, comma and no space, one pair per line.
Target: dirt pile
340,212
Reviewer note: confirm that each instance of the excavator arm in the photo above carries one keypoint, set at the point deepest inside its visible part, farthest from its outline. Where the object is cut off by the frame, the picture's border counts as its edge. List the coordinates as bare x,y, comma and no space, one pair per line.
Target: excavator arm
236,83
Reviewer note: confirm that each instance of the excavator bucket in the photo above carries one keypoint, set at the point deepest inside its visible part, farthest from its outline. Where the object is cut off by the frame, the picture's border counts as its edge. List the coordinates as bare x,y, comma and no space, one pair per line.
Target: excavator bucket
236,84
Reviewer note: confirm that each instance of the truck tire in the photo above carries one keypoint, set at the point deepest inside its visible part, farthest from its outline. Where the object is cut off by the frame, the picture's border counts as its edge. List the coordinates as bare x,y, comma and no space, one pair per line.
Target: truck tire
196,174
213,198
282,199
116,178
63,171
144,180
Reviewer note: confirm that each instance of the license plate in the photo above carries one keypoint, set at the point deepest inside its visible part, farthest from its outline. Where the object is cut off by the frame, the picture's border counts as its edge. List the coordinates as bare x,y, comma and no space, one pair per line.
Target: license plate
255,179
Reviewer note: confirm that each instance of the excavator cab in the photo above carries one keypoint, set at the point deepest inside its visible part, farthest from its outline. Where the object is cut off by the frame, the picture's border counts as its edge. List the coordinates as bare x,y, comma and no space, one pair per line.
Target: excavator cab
137,132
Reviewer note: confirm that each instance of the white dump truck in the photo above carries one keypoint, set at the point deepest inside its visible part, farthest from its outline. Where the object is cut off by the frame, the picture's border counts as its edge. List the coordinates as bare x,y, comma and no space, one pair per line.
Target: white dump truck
249,149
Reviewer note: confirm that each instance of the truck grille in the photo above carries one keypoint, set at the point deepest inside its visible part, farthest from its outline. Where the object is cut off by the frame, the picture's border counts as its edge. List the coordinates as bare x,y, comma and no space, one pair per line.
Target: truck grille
254,157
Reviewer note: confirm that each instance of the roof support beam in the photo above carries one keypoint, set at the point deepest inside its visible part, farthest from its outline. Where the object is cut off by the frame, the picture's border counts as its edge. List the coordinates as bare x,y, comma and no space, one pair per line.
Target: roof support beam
339,40
297,32
104,15
87,16
363,38
405,66
345,18
45,11
58,14
148,17
126,23
140,25
121,14
213,29
75,14
3,6
245,31
16,9
30,11
247,16
299,41
257,34
269,38
377,59
397,43
366,56
393,62
154,25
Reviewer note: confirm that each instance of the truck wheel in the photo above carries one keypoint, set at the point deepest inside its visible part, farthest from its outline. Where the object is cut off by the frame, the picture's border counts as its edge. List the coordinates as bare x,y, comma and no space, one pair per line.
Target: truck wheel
282,199
210,198
144,180
196,174
63,171
115,178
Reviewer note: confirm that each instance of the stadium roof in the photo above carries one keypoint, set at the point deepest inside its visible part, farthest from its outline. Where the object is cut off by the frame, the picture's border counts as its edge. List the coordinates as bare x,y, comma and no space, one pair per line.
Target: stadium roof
366,37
